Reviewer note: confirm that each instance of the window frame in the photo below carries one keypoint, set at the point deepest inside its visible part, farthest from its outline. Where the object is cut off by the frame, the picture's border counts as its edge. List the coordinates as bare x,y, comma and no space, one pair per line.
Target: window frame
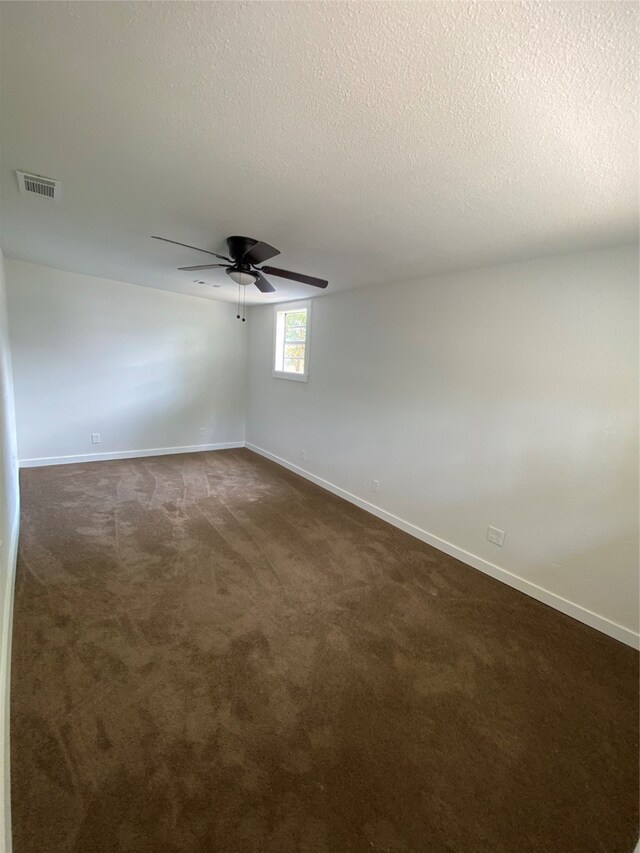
285,307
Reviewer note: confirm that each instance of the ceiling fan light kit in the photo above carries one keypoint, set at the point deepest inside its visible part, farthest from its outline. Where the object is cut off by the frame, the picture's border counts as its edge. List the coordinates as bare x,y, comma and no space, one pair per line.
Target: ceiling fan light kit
241,276
245,253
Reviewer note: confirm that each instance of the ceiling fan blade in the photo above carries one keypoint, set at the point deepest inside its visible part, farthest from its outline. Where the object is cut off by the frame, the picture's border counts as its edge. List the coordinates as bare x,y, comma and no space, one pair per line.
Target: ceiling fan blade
260,252
262,284
295,276
175,243
203,267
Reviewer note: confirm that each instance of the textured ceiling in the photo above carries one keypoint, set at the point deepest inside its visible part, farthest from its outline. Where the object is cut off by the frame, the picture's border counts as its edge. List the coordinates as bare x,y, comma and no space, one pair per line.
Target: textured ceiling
371,142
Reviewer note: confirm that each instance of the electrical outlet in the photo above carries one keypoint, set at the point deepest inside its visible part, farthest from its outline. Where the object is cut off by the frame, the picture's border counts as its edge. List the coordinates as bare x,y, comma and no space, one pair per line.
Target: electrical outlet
496,536
375,485
203,432
303,455
95,438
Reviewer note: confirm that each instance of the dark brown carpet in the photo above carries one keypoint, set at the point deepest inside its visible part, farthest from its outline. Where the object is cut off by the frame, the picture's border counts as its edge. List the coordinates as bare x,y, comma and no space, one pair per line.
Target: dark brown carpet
212,655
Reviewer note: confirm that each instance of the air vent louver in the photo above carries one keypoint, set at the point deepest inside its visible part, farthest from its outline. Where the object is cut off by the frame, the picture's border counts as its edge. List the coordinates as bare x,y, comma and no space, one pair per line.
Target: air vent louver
30,184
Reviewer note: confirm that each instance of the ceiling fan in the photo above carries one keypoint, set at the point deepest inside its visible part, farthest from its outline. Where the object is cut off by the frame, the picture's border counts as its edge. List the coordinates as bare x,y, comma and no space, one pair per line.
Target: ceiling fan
241,267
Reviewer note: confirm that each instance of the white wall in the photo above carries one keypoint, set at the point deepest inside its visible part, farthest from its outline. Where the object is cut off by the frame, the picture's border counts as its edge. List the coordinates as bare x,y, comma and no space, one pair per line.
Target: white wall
9,509
504,396
145,368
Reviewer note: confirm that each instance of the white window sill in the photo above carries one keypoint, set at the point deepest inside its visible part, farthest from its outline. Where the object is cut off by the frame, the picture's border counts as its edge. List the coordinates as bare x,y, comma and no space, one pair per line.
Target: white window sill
297,377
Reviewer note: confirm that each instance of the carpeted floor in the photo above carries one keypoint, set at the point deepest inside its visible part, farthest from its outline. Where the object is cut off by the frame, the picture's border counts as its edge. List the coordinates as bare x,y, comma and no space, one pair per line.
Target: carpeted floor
212,655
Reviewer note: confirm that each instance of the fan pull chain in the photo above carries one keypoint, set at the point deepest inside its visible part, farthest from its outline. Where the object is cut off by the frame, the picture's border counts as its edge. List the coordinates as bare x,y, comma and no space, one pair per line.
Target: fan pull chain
244,301
238,314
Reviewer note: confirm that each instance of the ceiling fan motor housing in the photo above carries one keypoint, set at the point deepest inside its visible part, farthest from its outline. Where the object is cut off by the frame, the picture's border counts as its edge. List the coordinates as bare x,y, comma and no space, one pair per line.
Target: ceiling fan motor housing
239,246
241,271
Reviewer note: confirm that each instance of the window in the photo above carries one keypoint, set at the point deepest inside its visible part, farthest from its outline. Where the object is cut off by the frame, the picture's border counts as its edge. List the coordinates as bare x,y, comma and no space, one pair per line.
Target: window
291,342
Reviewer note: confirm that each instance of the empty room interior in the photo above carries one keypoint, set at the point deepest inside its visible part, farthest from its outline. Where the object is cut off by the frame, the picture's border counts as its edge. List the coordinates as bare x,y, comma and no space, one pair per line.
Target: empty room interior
319,464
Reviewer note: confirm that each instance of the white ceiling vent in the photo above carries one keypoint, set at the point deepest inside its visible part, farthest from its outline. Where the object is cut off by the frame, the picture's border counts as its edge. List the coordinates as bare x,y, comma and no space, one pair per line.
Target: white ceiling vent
30,184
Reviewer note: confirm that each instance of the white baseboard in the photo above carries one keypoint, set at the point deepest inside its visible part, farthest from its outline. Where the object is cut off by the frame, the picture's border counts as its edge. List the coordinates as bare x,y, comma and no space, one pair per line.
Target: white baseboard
5,686
594,620
126,454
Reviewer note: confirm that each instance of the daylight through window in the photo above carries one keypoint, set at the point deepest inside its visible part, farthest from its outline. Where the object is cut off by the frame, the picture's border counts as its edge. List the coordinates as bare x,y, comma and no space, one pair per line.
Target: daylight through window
291,342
